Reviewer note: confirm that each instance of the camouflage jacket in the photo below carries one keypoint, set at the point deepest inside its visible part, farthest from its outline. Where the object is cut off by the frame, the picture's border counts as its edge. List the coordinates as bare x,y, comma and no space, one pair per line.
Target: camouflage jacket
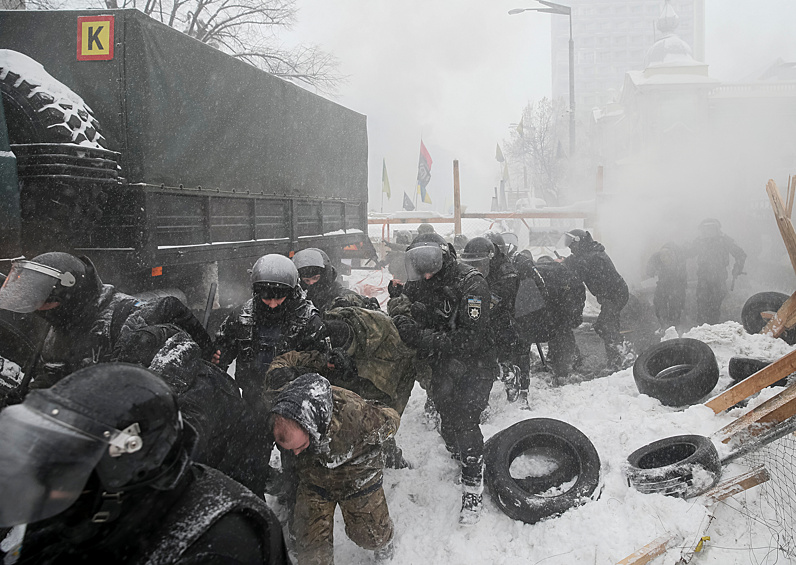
385,365
349,457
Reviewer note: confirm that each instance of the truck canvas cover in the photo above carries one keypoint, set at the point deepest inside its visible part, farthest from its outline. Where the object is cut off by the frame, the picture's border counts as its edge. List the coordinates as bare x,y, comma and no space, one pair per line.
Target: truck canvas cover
183,113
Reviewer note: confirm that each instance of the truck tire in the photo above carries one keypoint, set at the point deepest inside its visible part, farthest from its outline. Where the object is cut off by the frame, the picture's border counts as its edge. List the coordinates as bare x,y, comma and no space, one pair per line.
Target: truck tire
744,367
43,113
682,466
755,305
678,372
525,498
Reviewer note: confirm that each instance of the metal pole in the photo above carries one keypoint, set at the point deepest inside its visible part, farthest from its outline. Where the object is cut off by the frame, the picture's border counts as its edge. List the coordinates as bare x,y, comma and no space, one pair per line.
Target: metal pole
571,90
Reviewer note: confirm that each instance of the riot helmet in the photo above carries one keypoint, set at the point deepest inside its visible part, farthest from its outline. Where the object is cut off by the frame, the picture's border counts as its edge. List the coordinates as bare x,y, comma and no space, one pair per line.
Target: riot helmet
425,228
274,276
478,253
309,263
426,255
709,227
500,244
459,241
574,239
117,420
54,277
512,242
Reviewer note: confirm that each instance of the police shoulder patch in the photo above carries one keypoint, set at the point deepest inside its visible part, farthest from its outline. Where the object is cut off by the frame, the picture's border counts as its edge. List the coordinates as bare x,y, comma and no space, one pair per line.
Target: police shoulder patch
474,308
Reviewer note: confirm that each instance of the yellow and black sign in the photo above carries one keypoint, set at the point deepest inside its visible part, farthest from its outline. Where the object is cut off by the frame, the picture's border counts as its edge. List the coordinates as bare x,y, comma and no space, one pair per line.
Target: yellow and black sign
94,38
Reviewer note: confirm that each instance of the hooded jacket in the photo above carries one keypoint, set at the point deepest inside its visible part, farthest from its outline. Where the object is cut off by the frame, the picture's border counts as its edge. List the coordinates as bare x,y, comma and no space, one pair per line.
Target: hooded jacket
346,433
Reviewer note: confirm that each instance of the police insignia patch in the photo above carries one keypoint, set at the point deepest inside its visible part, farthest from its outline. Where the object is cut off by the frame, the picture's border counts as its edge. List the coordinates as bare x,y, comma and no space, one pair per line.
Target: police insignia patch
474,308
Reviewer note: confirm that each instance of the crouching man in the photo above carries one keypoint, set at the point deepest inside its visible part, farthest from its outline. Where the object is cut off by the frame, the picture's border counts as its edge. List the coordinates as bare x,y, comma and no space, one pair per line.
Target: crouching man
336,437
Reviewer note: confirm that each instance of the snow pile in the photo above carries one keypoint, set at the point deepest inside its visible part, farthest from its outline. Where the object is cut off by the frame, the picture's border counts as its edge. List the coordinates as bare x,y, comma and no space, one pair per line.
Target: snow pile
424,501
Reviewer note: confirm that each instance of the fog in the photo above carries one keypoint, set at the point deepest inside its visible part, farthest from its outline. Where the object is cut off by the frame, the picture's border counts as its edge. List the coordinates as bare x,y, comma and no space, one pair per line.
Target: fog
459,73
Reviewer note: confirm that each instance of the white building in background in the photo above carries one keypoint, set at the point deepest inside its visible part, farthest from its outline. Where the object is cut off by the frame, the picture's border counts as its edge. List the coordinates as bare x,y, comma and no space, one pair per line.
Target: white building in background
611,38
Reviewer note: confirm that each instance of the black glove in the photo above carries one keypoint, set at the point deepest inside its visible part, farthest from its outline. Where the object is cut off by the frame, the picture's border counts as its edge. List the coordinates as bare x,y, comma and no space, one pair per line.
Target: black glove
433,343
419,313
344,367
276,379
394,289
408,329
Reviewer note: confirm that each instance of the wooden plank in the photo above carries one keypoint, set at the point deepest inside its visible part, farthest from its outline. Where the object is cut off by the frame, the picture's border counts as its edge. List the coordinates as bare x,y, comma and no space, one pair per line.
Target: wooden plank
783,221
791,192
784,318
653,549
773,411
732,486
766,376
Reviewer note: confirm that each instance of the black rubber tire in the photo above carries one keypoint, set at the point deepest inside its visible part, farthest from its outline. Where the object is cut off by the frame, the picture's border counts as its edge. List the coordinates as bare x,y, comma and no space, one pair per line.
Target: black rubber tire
682,466
678,372
753,323
521,499
744,367
34,115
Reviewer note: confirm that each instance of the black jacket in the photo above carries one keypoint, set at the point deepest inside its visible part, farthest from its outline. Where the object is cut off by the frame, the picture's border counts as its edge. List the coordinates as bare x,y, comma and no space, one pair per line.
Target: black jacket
597,271
207,518
455,314
713,257
93,336
253,335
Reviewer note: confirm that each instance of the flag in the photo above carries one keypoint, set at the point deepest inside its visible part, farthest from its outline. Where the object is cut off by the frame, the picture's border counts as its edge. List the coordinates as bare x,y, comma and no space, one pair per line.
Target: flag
408,203
385,182
423,173
499,153
506,174
519,129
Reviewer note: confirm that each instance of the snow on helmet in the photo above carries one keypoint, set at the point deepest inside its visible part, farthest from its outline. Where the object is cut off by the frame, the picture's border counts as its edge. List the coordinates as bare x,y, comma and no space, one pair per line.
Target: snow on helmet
498,241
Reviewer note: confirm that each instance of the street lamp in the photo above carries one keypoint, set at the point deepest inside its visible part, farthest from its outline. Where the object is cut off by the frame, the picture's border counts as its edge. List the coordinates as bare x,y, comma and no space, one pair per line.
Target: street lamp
553,8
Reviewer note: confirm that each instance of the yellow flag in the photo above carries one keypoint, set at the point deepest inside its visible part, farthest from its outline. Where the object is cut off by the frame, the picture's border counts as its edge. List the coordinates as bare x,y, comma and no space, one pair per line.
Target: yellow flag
499,153
519,128
385,182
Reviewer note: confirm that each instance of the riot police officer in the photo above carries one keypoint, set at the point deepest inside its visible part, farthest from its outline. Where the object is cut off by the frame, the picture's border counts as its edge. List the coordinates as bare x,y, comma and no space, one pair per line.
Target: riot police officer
449,327
278,318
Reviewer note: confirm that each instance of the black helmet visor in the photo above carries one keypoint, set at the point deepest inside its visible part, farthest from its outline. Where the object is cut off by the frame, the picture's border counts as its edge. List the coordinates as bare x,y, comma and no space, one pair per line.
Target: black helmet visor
29,284
44,465
478,261
423,260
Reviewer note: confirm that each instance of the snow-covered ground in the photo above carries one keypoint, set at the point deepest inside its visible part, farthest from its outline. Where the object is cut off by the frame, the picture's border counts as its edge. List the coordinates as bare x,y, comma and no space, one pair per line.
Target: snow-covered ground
424,501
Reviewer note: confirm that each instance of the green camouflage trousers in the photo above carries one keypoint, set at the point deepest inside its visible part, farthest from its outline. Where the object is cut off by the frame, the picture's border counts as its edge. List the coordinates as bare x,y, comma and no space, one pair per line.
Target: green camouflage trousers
367,522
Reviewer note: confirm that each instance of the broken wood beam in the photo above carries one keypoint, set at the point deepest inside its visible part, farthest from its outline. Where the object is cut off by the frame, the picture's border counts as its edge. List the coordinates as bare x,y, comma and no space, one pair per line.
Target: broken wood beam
766,376
732,486
653,549
773,411
783,319
791,191
783,221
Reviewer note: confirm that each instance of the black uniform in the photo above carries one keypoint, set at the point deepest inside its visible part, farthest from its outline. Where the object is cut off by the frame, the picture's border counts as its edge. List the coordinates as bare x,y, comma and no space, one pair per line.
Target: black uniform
253,334
597,271
205,518
668,265
713,257
451,330
503,283
90,335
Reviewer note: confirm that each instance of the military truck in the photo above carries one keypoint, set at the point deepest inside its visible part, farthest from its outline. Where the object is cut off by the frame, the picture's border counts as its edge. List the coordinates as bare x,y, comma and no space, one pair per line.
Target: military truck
170,164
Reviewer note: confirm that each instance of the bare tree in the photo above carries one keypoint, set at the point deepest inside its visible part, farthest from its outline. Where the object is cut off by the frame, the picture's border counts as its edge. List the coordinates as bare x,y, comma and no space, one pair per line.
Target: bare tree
246,29
536,144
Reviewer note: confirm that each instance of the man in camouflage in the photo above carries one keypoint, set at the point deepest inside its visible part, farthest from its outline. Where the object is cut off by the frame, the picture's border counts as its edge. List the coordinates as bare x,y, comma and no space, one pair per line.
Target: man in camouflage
336,437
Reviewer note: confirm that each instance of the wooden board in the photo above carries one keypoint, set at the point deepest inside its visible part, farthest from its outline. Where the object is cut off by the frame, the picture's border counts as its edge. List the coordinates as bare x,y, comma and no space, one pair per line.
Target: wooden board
783,221
766,376
784,318
773,411
732,486
652,550
791,191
